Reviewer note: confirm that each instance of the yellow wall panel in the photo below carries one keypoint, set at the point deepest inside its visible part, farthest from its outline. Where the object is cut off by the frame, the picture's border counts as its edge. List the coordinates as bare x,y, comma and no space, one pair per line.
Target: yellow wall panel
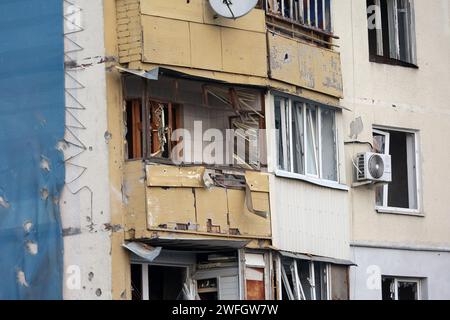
170,206
284,60
254,21
241,218
257,181
244,52
212,204
206,46
172,176
305,65
191,10
166,41
134,189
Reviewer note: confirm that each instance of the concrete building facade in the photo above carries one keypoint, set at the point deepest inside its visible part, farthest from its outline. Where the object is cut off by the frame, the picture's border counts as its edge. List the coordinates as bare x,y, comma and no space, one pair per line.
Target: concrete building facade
397,91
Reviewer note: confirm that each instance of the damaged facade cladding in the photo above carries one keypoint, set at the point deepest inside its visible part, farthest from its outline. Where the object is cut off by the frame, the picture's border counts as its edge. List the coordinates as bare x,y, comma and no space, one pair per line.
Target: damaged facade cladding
210,225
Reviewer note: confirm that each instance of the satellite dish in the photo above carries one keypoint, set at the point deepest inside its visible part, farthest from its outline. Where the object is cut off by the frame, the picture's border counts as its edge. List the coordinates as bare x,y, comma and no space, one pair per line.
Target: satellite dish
376,166
232,9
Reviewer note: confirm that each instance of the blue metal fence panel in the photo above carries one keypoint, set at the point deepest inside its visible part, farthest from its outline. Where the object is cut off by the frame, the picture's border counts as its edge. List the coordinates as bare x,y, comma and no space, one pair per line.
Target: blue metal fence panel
32,116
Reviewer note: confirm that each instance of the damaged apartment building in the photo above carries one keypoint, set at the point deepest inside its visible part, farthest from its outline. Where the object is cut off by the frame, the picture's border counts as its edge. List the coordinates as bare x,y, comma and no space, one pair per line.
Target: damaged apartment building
222,150
230,159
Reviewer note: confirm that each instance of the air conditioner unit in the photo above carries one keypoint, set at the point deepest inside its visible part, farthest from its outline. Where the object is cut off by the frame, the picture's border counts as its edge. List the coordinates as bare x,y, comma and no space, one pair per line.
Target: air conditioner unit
373,167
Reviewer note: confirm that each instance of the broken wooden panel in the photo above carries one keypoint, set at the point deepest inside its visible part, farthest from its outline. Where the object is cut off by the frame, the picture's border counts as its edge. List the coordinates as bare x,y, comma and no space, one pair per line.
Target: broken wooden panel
212,210
134,194
172,176
259,203
257,181
305,65
172,208
248,223
339,282
255,283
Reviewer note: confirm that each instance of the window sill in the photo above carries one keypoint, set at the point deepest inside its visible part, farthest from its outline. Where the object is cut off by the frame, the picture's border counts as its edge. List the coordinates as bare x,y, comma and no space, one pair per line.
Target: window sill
315,181
400,211
393,62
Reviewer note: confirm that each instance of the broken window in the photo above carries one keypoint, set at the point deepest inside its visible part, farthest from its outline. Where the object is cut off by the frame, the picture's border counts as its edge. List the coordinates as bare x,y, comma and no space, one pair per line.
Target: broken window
194,122
400,289
391,26
306,280
402,192
312,13
207,289
134,129
307,139
255,278
164,120
150,282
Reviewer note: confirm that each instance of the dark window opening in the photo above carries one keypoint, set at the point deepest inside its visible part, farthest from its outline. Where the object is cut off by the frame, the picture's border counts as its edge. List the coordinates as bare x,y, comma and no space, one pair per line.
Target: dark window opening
136,282
402,192
134,129
166,283
400,289
208,290
391,30
398,189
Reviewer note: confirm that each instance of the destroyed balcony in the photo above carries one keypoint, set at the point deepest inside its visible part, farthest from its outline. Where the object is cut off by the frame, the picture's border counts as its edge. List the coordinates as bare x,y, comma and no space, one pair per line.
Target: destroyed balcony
195,158
195,201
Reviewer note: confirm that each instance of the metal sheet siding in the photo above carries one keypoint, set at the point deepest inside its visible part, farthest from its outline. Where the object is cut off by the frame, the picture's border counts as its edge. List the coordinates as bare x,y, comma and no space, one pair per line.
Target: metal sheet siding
310,219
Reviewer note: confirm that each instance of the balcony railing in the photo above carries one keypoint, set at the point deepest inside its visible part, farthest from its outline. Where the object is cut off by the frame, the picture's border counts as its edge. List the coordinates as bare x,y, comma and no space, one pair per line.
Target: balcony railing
310,20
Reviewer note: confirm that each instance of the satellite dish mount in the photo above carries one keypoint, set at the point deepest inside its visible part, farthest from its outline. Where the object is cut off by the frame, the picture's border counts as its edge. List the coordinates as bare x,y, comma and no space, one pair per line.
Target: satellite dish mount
232,9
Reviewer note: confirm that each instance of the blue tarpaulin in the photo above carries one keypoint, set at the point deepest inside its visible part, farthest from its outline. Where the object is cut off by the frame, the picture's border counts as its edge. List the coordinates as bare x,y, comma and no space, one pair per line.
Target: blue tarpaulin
32,115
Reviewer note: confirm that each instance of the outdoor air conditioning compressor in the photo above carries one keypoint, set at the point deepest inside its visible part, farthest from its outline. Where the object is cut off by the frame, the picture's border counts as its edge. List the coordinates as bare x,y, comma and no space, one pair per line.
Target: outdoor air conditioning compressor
373,167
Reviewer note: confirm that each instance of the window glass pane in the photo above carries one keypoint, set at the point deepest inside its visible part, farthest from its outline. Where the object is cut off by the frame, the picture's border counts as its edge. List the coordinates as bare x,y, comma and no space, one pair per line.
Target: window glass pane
403,31
398,194
408,291
312,12
320,13
305,10
388,288
379,143
320,275
298,135
329,152
283,130
304,274
328,15
312,141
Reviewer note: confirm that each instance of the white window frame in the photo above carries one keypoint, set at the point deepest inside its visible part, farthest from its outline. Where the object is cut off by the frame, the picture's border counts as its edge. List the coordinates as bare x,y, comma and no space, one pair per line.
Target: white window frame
398,280
394,41
297,292
385,208
311,178
145,277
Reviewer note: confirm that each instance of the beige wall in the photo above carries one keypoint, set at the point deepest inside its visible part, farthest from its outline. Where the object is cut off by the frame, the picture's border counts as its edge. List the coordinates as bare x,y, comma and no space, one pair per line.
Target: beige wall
406,98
